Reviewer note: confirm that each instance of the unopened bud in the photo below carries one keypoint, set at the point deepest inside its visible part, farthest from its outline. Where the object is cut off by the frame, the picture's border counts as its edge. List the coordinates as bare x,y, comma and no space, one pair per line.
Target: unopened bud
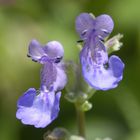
114,44
86,106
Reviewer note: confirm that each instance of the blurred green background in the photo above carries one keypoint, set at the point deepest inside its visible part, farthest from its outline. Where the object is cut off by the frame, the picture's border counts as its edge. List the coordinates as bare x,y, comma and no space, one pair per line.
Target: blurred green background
115,113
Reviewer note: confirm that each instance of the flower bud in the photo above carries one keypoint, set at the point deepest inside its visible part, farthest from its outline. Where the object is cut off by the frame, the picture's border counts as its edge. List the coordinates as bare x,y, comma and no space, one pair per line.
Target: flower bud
86,106
114,44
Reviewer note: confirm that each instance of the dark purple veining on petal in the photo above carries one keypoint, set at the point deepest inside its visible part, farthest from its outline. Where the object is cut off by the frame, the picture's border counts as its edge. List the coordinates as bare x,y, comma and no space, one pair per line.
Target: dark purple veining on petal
48,75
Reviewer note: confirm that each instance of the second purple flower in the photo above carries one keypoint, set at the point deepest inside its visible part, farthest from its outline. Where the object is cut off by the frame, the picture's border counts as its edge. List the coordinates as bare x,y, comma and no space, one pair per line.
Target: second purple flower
99,71
41,107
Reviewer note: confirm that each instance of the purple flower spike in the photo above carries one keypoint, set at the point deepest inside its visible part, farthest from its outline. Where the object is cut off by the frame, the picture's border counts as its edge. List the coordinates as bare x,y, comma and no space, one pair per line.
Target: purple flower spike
53,51
102,25
41,110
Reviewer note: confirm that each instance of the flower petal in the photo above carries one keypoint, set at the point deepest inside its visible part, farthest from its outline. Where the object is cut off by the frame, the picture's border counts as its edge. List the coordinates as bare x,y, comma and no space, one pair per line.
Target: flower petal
56,107
35,50
27,98
84,23
104,25
54,50
116,65
42,112
50,109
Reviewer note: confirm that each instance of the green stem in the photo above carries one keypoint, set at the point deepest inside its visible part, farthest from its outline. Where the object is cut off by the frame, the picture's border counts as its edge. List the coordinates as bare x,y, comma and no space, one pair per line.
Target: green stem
80,120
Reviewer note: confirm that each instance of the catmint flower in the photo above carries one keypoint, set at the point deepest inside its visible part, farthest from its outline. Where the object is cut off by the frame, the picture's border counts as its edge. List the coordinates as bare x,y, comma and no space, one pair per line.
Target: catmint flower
40,108
99,71
53,76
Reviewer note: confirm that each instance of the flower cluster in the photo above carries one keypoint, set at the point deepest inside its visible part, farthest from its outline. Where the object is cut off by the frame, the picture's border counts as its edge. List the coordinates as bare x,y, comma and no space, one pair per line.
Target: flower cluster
41,107
99,71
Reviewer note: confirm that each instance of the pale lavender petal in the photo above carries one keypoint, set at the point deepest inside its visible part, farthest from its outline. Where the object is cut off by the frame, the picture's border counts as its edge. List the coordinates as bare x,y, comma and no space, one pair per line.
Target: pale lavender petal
84,23
35,50
41,113
54,50
104,25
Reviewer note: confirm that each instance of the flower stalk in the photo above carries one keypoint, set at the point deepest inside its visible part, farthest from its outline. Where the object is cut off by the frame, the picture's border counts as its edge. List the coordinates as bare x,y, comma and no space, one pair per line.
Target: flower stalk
80,120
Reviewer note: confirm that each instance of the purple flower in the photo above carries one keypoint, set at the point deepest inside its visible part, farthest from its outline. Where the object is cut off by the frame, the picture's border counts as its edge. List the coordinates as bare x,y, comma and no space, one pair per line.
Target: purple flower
38,109
99,71
53,77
